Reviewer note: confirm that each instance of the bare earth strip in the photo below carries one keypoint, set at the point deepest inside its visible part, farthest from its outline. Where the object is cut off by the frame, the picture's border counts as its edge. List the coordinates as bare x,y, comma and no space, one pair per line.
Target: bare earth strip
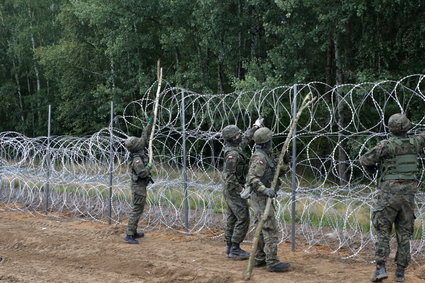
65,249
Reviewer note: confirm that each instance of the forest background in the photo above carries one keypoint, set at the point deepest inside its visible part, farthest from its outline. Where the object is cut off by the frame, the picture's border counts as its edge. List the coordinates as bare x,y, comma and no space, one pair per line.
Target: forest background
78,55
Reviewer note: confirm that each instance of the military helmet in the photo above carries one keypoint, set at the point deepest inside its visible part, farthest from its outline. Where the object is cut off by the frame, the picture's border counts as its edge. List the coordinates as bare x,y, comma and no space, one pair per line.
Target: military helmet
398,124
262,135
229,132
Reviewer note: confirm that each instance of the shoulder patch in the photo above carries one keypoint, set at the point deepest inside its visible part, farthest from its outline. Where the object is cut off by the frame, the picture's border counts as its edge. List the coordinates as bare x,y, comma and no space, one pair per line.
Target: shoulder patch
260,162
230,157
137,161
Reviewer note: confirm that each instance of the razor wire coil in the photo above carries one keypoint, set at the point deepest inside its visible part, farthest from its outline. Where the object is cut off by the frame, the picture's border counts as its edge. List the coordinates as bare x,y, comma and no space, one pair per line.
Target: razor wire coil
331,210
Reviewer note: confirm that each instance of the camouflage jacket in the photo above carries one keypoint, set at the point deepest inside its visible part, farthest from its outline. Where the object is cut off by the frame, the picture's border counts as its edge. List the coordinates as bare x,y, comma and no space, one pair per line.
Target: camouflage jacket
386,149
236,161
138,166
262,168
141,143
139,159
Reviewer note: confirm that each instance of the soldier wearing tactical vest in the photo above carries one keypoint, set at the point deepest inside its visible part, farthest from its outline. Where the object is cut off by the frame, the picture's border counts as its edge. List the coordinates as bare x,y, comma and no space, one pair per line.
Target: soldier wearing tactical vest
140,178
234,174
262,168
396,159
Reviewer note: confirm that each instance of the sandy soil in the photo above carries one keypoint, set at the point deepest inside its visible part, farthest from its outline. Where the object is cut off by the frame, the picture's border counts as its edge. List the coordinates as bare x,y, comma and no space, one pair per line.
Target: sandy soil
66,249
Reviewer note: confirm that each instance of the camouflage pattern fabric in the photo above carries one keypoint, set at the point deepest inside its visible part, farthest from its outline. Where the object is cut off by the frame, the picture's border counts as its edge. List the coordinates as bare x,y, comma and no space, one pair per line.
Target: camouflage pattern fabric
140,178
234,174
395,200
237,223
261,171
138,204
134,144
398,209
267,244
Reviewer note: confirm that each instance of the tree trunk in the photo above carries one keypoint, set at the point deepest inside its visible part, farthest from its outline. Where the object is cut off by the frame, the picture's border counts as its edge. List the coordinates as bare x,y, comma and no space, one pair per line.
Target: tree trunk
18,89
36,71
330,66
342,156
220,77
239,66
33,112
213,159
177,55
112,74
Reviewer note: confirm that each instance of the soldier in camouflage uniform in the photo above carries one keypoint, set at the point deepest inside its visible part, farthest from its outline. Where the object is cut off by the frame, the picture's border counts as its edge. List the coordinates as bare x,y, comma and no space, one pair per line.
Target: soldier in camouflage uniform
262,168
234,174
396,159
140,178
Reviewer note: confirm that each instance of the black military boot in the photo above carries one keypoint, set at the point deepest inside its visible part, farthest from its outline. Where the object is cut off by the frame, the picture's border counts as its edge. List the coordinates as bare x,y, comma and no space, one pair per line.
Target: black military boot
130,239
139,235
380,273
237,253
228,247
279,267
399,274
259,262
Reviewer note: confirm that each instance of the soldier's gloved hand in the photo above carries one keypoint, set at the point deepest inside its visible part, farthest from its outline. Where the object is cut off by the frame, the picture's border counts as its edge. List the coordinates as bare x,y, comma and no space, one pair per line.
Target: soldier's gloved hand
150,120
246,192
269,192
259,123
149,165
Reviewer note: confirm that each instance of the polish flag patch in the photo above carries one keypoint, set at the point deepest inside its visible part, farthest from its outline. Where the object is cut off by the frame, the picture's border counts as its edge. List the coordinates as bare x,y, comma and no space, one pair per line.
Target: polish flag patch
229,157
261,162
138,161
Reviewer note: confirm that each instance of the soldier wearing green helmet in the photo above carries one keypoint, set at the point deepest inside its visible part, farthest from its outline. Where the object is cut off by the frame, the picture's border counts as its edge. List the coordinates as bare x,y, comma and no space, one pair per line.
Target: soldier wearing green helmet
140,179
234,173
396,159
262,167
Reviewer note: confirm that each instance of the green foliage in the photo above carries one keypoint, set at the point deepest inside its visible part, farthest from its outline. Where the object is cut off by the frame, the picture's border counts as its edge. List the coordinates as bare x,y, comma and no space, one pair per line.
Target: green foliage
78,55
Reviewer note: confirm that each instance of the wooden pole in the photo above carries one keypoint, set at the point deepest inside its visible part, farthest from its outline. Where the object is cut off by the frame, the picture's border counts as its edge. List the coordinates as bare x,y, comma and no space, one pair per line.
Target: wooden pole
155,111
308,100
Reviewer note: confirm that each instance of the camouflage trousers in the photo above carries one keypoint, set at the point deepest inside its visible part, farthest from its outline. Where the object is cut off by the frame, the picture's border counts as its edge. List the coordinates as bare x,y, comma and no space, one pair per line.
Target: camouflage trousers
398,209
267,244
138,205
237,216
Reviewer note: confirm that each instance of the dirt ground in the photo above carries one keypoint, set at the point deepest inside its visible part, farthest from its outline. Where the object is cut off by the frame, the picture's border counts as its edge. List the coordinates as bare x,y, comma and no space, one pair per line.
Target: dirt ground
66,249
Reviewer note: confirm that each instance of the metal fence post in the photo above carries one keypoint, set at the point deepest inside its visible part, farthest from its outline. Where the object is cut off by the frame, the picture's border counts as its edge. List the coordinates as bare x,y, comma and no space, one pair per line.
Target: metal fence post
111,161
294,168
48,158
185,201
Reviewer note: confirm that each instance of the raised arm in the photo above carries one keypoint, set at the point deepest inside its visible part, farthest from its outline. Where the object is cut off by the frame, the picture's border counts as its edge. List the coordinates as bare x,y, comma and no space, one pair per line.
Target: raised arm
147,131
374,156
247,136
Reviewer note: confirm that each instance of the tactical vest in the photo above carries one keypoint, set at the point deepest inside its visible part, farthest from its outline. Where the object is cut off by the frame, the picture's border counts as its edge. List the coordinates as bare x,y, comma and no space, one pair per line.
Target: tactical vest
403,164
267,178
242,166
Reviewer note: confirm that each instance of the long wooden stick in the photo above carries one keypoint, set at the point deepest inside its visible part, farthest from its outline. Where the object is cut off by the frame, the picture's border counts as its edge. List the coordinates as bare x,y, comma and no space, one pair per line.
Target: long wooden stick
155,111
308,100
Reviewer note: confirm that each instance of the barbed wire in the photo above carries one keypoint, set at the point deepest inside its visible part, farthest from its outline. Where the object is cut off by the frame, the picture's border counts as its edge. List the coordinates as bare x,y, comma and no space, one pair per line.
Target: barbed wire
332,209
